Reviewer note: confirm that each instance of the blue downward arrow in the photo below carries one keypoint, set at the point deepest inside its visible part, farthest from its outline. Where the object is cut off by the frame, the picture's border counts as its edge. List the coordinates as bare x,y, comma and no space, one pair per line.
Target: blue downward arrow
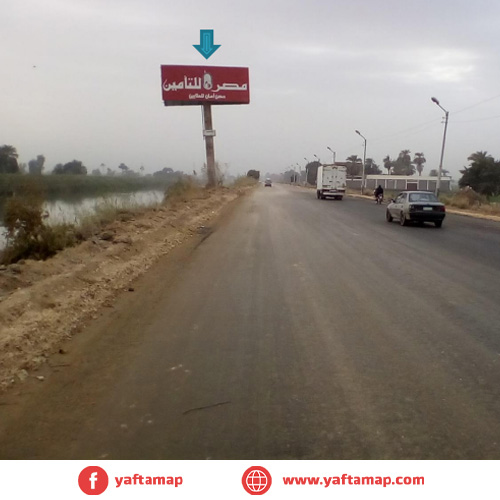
206,47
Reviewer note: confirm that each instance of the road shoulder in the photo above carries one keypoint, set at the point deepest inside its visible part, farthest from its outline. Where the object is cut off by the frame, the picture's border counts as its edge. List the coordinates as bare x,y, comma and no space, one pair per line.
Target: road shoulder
46,303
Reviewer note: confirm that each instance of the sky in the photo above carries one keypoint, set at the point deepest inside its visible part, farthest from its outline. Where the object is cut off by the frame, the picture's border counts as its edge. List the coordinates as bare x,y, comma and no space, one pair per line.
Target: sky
81,80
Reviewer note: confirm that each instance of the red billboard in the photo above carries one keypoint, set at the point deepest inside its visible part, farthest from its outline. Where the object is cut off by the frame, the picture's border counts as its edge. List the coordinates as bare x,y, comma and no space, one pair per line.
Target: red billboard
190,85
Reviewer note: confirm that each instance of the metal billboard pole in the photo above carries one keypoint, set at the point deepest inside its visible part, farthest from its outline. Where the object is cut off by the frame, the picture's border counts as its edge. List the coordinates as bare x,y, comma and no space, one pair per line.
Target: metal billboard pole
208,134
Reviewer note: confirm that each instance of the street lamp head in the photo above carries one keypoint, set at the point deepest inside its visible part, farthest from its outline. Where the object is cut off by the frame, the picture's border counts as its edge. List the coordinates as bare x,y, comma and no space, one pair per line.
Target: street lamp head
433,99
329,148
357,132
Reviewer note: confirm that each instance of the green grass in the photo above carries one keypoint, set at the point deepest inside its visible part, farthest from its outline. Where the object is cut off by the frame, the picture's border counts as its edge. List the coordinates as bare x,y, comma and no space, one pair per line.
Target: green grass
91,222
72,186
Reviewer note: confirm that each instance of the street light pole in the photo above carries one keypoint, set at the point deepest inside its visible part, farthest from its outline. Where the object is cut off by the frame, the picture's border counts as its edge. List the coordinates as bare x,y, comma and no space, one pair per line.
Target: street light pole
300,173
446,113
307,170
333,152
364,161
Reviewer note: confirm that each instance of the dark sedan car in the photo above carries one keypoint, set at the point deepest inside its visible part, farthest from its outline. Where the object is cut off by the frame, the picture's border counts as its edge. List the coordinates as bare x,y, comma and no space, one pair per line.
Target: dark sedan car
416,206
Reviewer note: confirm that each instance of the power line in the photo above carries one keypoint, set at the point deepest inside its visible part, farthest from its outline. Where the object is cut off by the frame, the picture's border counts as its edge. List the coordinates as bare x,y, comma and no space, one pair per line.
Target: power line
477,119
477,104
429,124
425,126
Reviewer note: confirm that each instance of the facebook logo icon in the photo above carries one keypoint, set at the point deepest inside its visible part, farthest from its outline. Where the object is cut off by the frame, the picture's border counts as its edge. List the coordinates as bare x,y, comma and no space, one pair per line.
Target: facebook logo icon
93,480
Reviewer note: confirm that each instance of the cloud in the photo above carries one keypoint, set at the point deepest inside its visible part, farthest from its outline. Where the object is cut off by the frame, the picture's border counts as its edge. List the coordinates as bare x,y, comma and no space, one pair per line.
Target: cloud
318,69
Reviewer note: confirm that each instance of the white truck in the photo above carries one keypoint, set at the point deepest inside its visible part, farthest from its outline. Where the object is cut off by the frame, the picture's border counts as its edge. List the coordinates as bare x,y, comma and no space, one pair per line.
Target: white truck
331,182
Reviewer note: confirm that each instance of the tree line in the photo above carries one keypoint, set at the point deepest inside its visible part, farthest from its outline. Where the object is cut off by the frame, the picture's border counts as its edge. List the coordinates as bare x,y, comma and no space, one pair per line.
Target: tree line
403,164
9,165
482,175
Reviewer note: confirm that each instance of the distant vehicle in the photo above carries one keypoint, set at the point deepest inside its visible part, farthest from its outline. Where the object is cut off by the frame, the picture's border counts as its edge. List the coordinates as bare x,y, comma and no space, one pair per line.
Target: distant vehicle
268,183
416,206
331,182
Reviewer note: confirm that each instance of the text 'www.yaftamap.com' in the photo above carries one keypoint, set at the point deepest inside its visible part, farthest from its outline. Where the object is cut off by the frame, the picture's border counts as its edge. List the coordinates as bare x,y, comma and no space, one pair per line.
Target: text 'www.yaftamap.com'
348,480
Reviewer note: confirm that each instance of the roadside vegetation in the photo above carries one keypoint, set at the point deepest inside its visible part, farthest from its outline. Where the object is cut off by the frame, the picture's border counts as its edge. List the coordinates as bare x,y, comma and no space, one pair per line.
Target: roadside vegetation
29,236
480,186
73,179
243,181
73,186
472,201
25,188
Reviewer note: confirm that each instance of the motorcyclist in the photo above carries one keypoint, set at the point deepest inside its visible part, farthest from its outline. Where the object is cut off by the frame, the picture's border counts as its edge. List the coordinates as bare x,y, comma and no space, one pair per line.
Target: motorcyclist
379,191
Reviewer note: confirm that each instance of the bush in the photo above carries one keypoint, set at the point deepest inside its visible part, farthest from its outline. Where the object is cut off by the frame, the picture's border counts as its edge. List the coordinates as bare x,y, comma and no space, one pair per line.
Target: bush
465,199
183,190
244,181
28,236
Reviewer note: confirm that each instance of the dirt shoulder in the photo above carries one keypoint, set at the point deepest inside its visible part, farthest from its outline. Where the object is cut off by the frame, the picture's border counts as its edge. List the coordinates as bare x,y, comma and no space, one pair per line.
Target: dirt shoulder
44,303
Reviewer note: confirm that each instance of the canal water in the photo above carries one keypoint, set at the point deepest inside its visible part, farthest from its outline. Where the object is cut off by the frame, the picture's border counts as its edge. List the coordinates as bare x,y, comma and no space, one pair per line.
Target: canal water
71,211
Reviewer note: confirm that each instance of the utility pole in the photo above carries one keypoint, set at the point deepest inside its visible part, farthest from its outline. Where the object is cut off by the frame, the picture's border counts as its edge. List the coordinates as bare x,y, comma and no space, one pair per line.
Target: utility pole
208,134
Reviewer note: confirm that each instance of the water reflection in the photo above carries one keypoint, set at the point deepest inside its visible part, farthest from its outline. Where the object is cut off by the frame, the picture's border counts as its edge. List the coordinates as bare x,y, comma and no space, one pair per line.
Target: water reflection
71,212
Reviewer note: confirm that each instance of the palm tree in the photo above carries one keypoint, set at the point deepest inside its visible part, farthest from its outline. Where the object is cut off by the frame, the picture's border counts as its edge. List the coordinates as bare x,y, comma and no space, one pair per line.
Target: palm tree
388,164
354,165
403,164
419,161
480,157
405,156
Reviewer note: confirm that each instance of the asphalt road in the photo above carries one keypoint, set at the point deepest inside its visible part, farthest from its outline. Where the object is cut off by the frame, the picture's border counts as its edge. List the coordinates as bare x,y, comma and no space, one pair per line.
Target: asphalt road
299,329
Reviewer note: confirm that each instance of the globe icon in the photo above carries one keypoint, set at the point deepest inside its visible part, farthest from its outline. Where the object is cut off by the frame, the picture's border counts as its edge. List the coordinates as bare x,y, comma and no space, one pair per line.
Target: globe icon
256,481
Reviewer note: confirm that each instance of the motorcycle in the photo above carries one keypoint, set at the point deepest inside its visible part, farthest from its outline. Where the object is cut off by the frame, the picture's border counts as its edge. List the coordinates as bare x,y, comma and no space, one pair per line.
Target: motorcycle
379,198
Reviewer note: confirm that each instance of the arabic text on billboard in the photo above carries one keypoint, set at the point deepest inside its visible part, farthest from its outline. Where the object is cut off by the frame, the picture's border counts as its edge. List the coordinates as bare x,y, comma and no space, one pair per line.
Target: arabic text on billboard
189,85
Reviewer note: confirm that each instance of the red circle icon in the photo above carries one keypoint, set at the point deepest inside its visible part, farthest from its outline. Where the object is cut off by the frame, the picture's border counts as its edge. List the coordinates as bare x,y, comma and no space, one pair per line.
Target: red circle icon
93,480
256,480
